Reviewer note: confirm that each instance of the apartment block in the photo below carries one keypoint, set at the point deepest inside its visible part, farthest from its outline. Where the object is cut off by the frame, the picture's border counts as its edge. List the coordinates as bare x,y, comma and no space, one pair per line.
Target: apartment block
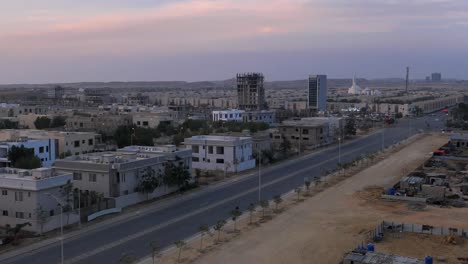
44,149
74,143
236,115
117,174
105,123
317,92
221,153
152,120
27,196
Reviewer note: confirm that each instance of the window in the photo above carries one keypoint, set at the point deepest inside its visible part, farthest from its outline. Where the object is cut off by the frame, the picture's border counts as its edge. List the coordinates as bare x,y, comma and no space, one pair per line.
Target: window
29,194
195,149
19,215
210,149
219,150
4,192
195,159
77,176
138,123
18,196
81,124
83,141
51,213
5,212
47,148
90,142
145,123
77,143
41,149
92,177
220,161
305,138
305,131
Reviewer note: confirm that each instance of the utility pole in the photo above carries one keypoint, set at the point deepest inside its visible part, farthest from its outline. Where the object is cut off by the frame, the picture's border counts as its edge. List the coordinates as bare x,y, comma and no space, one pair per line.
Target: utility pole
407,79
259,175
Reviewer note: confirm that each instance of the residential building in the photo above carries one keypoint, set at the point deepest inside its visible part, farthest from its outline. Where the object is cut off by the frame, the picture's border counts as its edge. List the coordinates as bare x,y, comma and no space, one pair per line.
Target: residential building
236,115
436,77
66,143
250,91
56,93
27,196
459,140
317,92
117,174
265,116
102,122
221,153
309,132
152,119
44,149
228,115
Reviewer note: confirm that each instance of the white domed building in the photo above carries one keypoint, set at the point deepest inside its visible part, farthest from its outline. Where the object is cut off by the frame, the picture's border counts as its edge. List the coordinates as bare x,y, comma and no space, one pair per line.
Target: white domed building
354,89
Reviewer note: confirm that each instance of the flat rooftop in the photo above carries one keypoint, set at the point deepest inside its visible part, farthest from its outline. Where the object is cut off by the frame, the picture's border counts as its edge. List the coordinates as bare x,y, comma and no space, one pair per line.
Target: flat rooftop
34,180
217,138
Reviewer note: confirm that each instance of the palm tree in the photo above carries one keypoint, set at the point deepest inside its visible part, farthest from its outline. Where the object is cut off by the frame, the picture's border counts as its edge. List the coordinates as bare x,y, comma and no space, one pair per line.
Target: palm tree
264,204
219,227
203,230
235,215
155,250
180,245
251,211
277,199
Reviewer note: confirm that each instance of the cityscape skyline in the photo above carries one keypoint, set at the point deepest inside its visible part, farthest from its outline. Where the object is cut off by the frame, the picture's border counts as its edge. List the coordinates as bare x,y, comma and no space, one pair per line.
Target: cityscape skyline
199,40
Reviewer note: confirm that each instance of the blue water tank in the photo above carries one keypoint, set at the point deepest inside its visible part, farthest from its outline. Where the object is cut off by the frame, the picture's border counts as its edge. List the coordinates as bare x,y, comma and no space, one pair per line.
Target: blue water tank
428,260
370,247
391,191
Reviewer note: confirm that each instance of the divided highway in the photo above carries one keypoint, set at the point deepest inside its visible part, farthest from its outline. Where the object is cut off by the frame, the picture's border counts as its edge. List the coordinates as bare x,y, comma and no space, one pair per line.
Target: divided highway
180,218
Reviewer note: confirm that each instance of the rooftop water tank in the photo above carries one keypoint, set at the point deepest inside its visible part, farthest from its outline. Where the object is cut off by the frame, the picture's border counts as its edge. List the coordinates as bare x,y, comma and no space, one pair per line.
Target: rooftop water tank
370,247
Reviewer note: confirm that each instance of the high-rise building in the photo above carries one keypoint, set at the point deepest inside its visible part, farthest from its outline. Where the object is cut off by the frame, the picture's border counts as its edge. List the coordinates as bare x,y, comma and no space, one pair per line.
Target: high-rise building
317,92
250,91
436,77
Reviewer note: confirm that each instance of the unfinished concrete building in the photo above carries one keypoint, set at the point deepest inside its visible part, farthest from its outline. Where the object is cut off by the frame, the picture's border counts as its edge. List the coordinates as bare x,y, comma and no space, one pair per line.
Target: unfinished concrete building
250,91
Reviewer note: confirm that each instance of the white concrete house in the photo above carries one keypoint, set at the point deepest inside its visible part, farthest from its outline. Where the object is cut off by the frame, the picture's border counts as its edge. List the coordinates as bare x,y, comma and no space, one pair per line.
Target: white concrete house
222,153
228,115
44,149
28,196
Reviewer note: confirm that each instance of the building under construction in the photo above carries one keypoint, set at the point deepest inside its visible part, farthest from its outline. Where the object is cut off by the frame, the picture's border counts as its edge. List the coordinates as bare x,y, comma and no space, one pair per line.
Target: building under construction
250,91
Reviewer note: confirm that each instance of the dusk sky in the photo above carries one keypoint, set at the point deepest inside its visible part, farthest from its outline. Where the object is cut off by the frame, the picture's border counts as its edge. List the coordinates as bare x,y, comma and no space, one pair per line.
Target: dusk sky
43,41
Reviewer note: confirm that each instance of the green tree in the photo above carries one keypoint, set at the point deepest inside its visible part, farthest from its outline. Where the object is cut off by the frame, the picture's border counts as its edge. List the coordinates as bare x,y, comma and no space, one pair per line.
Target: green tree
285,146
42,122
180,245
265,205
235,214
23,158
219,227
128,259
277,200
307,185
251,209
155,250
350,127
42,217
8,124
149,182
58,121
298,191
176,175
14,231
68,198
127,135
203,231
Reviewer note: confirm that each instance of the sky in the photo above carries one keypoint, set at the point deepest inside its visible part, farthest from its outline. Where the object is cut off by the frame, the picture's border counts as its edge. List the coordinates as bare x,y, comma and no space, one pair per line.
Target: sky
51,41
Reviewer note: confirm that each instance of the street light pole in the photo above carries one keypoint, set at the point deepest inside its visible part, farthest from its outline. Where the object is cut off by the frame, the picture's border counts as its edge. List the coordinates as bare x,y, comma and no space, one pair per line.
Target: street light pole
339,150
61,203
383,138
79,208
259,175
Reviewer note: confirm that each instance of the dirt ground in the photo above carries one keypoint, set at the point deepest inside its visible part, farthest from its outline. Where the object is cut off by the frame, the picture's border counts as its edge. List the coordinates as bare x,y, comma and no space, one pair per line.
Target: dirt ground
417,245
333,220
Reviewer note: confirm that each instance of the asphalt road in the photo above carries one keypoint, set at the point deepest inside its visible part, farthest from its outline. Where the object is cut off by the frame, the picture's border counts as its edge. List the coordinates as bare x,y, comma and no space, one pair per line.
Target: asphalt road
181,217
